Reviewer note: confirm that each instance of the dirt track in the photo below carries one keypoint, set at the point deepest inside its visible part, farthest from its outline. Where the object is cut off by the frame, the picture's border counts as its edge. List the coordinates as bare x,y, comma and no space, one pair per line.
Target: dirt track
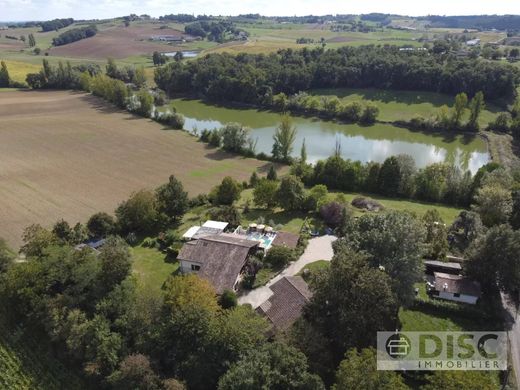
69,155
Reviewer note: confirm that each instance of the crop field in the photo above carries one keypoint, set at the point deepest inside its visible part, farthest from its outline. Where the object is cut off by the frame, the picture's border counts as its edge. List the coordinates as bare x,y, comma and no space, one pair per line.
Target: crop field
18,70
69,155
118,42
403,105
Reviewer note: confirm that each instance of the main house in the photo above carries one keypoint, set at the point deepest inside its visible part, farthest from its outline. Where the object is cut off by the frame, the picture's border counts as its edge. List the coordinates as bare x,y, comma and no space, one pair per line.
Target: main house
218,258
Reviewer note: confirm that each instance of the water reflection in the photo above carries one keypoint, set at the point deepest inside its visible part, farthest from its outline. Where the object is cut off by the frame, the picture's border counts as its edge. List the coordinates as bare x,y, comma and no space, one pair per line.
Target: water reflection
374,143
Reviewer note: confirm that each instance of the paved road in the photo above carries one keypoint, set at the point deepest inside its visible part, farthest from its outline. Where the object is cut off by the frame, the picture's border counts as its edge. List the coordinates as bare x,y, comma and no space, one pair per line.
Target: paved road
513,326
319,248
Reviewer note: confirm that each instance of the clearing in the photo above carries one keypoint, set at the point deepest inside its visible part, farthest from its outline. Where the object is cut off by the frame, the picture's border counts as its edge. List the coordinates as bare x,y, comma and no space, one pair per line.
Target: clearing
69,155
403,105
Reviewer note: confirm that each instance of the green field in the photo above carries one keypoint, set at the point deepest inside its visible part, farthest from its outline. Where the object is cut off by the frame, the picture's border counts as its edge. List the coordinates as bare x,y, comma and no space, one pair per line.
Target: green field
403,105
151,268
448,213
26,364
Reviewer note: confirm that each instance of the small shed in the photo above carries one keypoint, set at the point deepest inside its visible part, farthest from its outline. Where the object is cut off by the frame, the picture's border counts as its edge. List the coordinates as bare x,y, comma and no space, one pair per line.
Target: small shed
455,288
432,266
287,239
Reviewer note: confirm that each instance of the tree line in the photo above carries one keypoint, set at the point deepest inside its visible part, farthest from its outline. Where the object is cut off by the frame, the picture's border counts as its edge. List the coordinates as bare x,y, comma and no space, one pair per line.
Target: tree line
75,34
256,79
56,24
129,93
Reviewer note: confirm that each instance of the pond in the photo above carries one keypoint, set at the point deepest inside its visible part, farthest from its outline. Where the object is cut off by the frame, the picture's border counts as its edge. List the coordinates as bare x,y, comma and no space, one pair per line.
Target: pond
185,54
371,143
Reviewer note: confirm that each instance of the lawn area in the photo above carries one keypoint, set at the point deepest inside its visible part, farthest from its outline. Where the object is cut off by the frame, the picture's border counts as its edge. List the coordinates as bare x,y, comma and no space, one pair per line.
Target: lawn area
448,213
292,221
403,105
151,268
311,268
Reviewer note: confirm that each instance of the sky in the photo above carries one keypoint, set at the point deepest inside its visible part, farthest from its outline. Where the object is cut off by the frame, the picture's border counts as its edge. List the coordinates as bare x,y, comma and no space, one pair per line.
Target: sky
17,10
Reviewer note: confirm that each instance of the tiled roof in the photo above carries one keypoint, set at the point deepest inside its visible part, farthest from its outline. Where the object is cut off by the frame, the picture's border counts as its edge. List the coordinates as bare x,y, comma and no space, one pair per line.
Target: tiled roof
285,238
456,284
221,258
285,306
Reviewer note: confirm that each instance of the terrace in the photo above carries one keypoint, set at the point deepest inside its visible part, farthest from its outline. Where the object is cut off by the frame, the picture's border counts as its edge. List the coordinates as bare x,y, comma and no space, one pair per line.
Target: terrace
258,232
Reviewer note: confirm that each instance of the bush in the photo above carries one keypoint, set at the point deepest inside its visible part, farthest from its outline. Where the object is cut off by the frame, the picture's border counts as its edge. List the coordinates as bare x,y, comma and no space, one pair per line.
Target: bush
149,242
215,139
228,299
131,238
101,225
172,252
279,256
204,135
227,192
229,214
332,213
199,200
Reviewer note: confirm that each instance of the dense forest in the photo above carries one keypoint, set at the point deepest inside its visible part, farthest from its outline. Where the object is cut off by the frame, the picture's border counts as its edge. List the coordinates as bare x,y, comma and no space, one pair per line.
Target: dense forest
76,34
484,22
255,79
56,24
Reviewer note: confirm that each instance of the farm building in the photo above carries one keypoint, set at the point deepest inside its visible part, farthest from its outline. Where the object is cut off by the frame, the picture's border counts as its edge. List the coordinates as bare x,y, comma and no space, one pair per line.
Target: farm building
218,258
285,306
167,38
473,42
455,288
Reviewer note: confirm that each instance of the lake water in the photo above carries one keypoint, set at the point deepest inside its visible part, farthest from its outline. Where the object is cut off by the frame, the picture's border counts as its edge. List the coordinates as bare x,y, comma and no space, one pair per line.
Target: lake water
186,54
372,143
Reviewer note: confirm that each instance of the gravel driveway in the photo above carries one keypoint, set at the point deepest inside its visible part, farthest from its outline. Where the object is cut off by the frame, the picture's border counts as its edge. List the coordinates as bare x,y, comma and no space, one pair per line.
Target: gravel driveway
319,248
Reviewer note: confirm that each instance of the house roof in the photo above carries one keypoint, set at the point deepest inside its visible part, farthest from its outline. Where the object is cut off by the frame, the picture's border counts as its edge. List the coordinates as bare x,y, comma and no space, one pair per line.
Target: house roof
215,225
443,264
285,306
456,284
96,243
286,239
221,258
191,232
205,231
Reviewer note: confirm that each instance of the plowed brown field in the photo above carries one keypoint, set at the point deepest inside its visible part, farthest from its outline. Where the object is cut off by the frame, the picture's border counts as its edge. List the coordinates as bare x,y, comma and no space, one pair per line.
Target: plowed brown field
117,42
68,155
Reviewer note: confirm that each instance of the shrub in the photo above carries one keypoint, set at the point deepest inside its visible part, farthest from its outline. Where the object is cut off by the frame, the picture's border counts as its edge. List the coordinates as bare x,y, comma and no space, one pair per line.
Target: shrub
279,256
228,299
101,225
332,213
171,119
369,115
199,200
149,242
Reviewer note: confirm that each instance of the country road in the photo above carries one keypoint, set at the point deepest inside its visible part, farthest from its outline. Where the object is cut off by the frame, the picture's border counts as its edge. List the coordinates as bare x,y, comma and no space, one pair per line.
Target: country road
513,327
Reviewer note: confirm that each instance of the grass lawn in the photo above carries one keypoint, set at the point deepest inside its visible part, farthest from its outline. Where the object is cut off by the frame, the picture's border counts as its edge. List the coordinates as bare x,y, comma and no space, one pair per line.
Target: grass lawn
292,221
448,213
263,276
403,105
151,268
313,267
